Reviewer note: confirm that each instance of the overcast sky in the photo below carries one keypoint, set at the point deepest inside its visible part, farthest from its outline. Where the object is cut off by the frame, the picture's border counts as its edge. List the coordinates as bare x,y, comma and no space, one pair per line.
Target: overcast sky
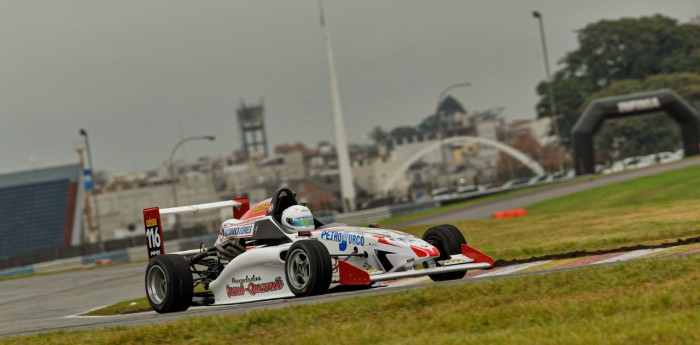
140,75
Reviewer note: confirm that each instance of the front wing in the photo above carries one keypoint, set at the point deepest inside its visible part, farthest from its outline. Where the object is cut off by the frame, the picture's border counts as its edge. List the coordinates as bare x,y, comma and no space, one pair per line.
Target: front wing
353,275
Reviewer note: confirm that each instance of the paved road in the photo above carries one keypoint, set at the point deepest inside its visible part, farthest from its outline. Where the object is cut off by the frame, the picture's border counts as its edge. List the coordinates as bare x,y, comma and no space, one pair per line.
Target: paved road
41,303
44,303
486,209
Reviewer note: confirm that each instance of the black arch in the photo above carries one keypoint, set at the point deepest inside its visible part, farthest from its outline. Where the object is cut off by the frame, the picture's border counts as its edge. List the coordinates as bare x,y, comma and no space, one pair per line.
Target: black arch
598,111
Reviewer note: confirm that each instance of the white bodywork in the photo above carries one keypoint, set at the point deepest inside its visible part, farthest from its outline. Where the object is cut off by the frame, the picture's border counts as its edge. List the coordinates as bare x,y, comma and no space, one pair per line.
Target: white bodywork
252,276
259,272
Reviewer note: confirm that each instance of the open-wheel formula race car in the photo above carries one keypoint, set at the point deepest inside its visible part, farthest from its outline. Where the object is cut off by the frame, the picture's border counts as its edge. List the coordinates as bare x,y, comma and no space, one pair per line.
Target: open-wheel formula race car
256,257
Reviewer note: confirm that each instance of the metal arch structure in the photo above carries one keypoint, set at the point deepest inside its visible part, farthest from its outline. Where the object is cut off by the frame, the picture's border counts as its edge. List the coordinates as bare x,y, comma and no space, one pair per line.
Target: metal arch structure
518,155
602,109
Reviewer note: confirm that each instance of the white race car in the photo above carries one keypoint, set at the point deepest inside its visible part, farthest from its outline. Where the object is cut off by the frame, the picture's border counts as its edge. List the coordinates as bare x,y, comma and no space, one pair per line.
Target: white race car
256,258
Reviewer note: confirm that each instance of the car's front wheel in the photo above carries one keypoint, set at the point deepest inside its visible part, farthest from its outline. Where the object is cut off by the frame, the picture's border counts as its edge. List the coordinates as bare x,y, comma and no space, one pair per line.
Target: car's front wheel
169,285
448,240
308,268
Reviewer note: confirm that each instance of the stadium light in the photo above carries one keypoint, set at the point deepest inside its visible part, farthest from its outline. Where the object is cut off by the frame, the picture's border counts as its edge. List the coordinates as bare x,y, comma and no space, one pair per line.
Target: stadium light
96,227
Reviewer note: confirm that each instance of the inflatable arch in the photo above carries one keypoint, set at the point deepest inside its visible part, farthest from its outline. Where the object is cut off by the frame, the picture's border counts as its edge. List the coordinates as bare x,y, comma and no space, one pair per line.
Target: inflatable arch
598,111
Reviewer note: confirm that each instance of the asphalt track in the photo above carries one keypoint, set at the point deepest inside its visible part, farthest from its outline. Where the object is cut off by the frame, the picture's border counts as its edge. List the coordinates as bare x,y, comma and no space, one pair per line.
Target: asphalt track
50,302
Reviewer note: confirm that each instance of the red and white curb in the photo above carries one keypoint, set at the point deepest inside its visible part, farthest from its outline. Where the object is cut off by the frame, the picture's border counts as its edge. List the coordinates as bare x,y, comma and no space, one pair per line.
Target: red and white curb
543,265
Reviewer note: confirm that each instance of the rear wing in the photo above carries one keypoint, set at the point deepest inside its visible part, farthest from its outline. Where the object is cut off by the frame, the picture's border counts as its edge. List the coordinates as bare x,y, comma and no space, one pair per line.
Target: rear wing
155,244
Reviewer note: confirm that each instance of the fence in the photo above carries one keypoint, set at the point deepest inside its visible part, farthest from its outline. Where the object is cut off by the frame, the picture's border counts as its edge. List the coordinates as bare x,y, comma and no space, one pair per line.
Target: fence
133,248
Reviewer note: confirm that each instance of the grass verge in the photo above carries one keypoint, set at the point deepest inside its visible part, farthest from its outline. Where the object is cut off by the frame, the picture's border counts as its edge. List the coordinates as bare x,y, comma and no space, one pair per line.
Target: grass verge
126,307
647,301
645,211
547,233
658,190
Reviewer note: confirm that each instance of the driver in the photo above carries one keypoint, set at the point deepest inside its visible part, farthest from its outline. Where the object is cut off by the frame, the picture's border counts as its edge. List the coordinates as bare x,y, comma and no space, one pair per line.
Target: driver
298,218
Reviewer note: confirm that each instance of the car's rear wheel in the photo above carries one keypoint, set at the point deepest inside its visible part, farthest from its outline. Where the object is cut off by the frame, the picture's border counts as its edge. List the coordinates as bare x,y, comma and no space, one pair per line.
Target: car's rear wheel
169,285
448,240
308,268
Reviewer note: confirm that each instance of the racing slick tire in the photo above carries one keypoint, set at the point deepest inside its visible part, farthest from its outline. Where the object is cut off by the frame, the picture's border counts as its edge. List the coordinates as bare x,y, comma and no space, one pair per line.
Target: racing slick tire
448,240
308,268
169,286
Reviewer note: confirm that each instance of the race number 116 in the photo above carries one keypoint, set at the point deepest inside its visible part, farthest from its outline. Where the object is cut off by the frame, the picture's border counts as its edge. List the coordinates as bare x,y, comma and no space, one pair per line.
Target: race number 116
153,238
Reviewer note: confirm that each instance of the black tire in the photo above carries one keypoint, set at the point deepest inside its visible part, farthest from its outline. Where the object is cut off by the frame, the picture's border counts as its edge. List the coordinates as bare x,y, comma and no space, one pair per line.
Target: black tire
308,268
448,240
169,286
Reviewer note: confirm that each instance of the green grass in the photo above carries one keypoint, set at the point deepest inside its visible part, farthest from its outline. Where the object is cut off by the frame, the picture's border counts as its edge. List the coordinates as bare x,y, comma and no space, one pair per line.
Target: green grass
544,234
649,210
660,189
646,301
126,307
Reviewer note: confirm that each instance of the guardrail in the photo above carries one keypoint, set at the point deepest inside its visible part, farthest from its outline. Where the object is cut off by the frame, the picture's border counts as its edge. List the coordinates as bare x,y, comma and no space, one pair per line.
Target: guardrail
114,256
365,217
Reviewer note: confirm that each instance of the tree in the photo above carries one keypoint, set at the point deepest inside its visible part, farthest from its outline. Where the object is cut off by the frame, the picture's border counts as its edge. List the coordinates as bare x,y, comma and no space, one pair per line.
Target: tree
508,167
615,50
403,133
379,135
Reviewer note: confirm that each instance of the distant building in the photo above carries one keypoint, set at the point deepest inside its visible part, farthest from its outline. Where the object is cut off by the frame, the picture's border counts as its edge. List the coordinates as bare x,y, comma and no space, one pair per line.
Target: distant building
539,129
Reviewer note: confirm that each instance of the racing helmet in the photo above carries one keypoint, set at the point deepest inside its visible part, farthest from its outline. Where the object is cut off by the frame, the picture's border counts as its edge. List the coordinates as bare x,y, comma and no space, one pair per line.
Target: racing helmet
298,218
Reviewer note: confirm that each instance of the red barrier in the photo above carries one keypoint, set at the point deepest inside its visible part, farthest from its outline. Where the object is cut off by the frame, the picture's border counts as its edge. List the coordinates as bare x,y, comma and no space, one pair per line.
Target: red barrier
520,212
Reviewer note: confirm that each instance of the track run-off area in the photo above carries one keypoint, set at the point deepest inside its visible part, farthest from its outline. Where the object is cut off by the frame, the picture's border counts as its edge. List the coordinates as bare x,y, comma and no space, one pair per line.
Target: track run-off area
53,302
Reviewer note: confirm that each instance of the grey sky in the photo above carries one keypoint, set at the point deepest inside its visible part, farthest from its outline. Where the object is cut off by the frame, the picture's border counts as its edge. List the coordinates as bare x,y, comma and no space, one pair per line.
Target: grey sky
140,75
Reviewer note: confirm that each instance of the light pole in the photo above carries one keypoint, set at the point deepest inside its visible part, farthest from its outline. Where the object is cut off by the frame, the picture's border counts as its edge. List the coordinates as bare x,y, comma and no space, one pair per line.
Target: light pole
96,227
172,172
550,88
441,98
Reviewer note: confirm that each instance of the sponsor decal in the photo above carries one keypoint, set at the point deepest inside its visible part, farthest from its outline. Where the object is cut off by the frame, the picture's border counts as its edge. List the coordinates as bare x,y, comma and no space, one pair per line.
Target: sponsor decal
638,104
247,279
259,208
343,238
151,222
451,262
270,207
236,230
253,288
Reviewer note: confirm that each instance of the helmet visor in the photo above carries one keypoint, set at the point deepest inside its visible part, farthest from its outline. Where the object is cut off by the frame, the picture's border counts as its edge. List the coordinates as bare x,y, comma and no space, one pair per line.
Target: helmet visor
301,221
